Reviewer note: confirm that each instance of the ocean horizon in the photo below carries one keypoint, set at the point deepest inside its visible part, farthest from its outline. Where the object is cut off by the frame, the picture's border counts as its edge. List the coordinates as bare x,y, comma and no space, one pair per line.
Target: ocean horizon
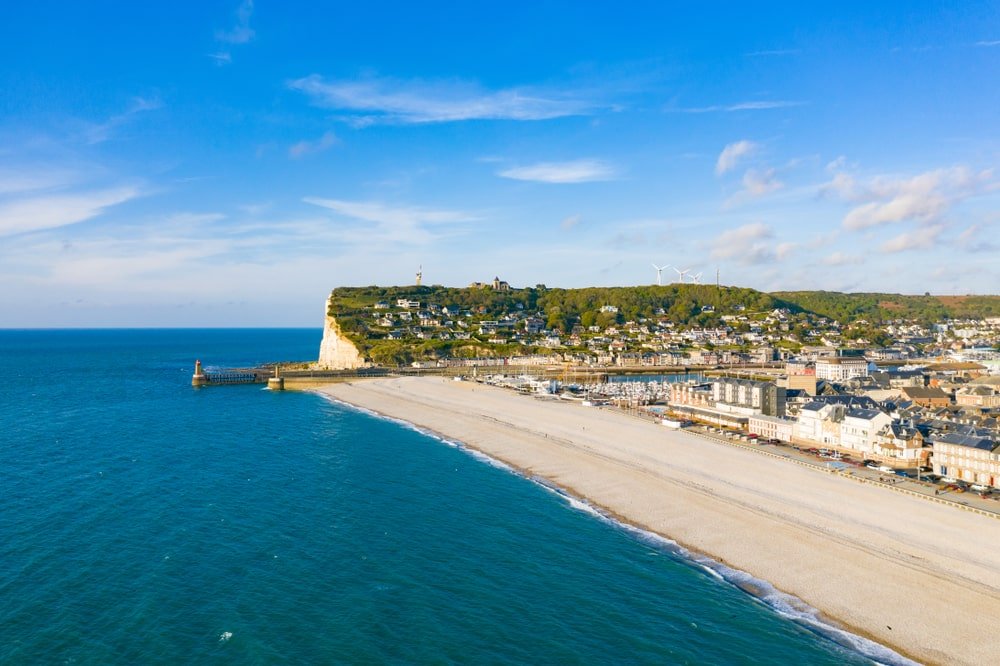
145,521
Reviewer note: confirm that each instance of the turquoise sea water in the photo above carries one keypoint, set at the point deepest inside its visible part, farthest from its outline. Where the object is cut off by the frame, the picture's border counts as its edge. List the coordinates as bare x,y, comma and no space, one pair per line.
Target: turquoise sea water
143,521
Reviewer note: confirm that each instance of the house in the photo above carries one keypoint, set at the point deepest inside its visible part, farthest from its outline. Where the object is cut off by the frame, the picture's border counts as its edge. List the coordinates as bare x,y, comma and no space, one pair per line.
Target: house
968,457
772,427
899,378
860,427
979,395
901,446
926,396
822,421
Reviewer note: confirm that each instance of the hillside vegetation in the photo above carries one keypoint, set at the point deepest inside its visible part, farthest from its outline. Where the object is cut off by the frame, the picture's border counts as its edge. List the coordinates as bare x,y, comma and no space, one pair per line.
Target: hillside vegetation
454,322
680,303
878,308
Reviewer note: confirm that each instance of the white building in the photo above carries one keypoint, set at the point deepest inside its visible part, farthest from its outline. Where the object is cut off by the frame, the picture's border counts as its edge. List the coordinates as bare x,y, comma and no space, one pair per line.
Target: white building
771,427
819,423
860,428
841,368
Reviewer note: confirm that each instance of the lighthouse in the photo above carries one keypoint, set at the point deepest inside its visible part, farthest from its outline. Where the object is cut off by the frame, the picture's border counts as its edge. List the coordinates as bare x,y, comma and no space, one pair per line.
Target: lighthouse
198,378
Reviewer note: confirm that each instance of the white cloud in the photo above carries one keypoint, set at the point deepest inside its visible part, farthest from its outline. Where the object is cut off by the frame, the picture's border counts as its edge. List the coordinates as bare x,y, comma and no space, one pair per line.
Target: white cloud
321,144
18,181
221,58
389,100
920,238
101,132
393,224
988,42
758,182
241,32
764,105
784,250
570,222
773,52
842,259
842,185
976,239
731,155
922,198
576,171
749,244
48,212
837,164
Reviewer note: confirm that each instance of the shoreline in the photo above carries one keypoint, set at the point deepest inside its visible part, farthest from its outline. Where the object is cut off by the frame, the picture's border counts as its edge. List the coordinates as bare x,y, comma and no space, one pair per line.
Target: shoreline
781,603
821,541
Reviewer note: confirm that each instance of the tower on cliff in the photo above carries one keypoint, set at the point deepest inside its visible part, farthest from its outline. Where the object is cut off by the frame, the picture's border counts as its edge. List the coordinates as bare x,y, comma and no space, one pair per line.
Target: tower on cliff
420,275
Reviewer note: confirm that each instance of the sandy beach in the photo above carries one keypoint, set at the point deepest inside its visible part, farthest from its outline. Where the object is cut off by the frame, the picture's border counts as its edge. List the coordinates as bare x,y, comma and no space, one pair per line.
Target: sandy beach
918,576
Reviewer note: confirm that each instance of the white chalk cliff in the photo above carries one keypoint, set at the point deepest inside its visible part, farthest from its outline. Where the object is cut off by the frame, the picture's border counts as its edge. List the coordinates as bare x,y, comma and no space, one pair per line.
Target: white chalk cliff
336,352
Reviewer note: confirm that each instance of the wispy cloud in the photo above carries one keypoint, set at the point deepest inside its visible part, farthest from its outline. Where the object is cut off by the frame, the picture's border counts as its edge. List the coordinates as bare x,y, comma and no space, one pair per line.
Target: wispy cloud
241,32
101,132
923,198
976,239
413,224
760,105
570,222
221,58
749,244
784,250
758,182
988,42
732,154
59,210
576,171
842,259
32,180
917,239
417,101
302,148
773,52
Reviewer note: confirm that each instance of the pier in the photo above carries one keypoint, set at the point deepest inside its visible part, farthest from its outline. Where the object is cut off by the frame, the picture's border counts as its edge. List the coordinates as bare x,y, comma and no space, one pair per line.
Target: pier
223,376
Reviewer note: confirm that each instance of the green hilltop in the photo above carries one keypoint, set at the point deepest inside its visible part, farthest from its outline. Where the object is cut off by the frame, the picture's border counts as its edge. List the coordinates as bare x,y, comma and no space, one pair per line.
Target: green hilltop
483,321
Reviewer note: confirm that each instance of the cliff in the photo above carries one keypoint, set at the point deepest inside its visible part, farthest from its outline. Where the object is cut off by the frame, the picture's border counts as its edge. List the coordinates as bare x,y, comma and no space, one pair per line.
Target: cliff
336,352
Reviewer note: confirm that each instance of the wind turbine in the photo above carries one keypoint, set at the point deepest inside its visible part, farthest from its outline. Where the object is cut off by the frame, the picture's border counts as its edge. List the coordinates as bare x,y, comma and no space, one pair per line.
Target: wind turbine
681,273
659,273
696,278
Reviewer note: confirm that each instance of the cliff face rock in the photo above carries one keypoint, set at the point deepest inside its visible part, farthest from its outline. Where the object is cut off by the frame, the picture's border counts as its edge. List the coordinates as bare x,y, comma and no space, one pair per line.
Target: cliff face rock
336,352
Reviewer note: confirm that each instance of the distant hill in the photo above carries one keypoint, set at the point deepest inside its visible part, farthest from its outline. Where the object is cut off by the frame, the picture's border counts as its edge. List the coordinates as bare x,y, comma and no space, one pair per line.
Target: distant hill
680,303
877,308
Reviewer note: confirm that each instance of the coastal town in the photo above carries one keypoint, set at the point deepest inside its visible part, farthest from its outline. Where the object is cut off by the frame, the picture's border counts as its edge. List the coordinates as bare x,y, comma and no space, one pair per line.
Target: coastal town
915,396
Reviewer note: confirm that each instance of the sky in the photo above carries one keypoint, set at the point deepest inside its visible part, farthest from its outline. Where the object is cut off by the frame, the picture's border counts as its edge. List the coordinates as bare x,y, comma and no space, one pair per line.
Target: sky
229,163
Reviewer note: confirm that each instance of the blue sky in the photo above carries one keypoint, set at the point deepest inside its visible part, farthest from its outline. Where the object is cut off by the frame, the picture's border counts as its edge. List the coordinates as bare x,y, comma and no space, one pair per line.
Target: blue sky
226,163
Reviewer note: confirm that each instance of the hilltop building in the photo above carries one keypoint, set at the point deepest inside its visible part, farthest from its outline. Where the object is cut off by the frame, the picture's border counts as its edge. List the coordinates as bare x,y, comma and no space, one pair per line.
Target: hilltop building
496,285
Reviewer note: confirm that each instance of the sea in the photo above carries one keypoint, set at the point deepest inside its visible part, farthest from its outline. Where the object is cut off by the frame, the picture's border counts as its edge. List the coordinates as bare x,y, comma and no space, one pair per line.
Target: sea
143,521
